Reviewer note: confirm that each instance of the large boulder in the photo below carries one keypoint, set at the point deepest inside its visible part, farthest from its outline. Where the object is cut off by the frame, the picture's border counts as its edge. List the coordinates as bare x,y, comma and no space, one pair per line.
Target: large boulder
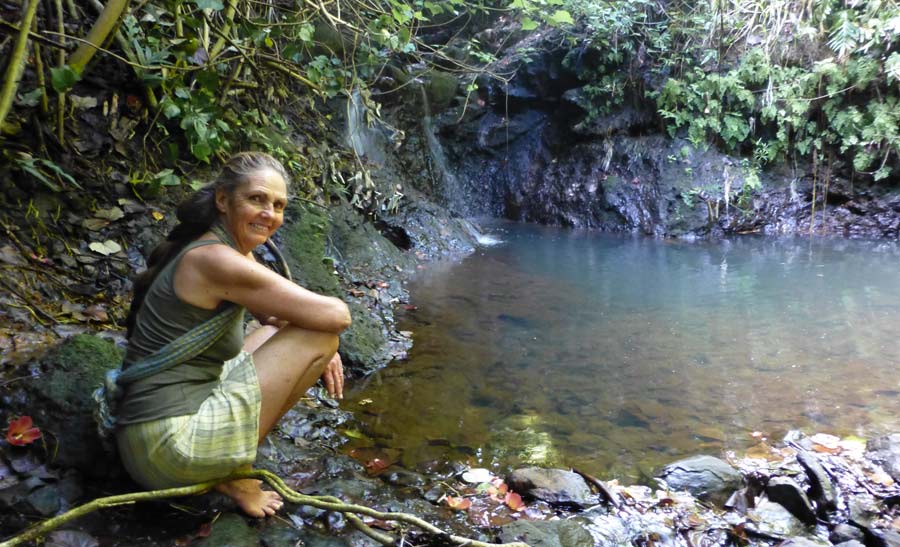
885,451
705,477
555,486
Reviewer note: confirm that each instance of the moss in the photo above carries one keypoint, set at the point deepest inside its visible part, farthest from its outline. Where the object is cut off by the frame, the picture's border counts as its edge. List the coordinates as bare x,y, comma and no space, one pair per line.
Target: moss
75,369
441,90
365,340
305,249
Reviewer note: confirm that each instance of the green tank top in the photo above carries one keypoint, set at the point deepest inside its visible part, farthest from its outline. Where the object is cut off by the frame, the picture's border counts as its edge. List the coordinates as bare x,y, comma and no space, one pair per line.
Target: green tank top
162,318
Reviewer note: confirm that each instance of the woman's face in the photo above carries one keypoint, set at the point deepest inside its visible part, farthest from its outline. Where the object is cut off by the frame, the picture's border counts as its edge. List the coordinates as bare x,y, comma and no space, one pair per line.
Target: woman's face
255,210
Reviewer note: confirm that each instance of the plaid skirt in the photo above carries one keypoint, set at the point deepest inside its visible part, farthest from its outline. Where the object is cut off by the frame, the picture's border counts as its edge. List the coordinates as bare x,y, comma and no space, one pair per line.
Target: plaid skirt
183,450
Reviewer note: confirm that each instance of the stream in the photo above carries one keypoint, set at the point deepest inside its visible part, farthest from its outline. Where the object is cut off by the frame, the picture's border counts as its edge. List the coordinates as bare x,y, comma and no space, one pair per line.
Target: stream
615,354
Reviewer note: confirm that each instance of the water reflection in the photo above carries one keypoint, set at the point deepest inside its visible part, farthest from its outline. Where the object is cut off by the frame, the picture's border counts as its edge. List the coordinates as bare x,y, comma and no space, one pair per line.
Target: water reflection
614,354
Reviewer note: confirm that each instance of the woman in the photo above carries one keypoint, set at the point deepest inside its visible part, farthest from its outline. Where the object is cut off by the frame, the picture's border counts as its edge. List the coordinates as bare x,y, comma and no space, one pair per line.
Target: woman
204,418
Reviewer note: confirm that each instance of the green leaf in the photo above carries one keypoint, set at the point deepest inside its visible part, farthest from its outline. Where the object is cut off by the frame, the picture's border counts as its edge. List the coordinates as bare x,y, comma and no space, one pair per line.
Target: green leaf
32,98
306,32
63,78
170,109
167,177
214,5
529,24
561,17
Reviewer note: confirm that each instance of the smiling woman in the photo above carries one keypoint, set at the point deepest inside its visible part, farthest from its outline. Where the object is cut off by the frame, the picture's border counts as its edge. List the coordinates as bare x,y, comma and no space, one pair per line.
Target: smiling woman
203,414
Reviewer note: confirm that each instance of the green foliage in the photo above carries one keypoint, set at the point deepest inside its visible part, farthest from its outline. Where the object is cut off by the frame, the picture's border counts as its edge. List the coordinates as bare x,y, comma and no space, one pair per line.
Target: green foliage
727,73
48,173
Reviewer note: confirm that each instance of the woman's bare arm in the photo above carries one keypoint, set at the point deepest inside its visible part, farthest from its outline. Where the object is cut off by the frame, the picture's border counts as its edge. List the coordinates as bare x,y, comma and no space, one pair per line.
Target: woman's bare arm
207,275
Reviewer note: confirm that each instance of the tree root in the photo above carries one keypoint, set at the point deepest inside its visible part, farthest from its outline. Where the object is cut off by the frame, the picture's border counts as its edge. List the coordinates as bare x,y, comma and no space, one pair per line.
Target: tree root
328,503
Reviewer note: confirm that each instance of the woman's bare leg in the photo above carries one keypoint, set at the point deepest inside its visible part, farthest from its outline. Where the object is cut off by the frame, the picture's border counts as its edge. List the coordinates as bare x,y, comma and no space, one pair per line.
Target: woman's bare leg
287,365
288,361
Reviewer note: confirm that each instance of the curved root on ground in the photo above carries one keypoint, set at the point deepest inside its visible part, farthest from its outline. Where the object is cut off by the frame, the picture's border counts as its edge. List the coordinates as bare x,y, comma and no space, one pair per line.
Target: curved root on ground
328,503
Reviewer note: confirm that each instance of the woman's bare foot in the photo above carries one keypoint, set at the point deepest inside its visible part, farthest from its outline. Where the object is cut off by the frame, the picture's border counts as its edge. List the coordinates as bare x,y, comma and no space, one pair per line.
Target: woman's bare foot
251,498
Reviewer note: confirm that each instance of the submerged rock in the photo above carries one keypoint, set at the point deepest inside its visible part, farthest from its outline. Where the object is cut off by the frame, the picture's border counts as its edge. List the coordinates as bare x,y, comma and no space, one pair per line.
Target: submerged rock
553,533
555,486
706,477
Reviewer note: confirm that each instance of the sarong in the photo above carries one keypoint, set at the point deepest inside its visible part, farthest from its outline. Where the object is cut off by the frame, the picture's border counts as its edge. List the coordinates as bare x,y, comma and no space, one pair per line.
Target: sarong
183,450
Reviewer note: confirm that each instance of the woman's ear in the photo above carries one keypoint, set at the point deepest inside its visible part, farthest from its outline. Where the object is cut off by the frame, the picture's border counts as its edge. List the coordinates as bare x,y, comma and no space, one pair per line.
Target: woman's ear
221,201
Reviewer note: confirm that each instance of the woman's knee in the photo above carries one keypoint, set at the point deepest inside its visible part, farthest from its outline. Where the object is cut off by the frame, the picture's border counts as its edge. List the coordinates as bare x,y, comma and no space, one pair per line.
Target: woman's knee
323,343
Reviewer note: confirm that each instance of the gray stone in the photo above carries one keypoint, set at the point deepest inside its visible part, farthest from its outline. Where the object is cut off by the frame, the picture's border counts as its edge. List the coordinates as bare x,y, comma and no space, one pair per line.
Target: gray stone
803,542
884,538
554,486
705,477
45,500
772,519
863,510
821,489
786,491
850,543
230,530
553,533
885,451
844,533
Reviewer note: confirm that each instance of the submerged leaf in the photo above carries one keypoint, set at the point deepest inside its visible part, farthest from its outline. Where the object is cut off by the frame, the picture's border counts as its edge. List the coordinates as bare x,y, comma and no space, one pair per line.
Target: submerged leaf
514,501
458,504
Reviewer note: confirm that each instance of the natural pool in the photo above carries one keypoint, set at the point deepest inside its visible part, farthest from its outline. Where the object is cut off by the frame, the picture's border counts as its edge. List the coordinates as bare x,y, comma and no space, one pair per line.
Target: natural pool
614,354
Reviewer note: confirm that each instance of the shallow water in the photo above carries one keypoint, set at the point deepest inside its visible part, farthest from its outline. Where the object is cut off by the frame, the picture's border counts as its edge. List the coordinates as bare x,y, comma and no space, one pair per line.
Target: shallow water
615,354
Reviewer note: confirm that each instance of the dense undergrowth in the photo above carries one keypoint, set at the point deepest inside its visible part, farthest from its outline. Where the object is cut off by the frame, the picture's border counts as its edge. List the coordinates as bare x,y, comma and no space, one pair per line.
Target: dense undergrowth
772,81
778,81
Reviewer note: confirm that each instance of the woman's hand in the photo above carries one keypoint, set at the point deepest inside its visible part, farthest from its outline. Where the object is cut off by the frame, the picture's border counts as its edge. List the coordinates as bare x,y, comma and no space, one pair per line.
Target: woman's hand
333,376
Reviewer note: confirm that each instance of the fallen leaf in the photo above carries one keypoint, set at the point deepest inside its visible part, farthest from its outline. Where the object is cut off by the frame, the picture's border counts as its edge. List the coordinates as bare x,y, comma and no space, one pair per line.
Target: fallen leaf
82,102
376,465
205,530
514,501
826,440
94,224
357,293
157,216
96,312
458,504
21,432
410,307
105,248
111,214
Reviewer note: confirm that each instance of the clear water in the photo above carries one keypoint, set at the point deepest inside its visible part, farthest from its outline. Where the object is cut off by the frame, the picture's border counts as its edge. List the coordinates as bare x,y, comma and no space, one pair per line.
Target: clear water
615,354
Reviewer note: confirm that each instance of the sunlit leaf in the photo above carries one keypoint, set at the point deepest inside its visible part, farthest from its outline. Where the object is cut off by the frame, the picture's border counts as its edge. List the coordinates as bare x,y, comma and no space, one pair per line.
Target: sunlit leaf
561,17
529,24
105,248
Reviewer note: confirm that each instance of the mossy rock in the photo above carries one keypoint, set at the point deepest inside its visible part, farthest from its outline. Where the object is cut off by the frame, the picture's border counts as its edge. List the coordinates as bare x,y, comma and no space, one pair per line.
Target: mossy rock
72,372
441,89
60,402
364,344
305,240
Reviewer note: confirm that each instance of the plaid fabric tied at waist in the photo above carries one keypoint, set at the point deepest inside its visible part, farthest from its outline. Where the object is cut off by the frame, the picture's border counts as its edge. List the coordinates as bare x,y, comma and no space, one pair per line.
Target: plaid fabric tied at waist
185,347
